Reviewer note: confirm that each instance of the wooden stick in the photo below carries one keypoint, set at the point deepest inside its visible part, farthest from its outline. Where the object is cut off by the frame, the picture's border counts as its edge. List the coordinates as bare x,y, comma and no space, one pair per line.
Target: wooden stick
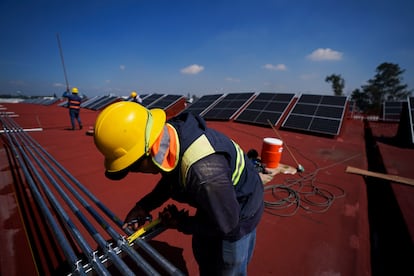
394,178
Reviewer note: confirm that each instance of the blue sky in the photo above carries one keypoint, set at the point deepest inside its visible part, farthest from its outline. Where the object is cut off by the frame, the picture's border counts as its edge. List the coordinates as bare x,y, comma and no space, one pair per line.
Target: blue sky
201,47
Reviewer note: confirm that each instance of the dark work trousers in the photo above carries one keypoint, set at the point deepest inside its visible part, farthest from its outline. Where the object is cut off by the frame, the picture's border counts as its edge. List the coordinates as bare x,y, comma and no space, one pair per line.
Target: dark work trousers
74,114
220,257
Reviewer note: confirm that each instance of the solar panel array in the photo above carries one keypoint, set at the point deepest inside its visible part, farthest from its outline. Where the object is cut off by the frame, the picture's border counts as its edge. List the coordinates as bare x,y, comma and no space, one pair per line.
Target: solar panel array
391,110
311,113
317,113
228,106
411,113
165,102
203,104
41,101
151,101
266,106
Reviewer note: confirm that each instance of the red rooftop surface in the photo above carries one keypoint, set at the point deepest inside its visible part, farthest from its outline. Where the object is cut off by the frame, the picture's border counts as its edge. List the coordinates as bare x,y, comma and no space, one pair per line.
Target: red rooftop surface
343,236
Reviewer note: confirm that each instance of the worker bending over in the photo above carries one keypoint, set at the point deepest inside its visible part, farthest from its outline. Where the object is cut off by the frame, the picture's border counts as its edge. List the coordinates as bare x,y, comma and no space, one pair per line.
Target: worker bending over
199,166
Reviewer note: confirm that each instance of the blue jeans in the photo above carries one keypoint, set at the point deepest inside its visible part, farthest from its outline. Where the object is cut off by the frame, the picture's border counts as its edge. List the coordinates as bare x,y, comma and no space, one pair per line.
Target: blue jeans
220,257
74,114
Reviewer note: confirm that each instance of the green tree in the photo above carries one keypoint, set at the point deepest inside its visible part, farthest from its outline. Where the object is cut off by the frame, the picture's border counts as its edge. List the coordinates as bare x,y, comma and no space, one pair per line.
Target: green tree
337,83
386,85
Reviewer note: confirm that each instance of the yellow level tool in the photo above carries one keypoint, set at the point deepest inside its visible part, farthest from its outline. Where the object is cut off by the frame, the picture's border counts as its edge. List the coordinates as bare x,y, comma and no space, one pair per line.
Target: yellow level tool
144,229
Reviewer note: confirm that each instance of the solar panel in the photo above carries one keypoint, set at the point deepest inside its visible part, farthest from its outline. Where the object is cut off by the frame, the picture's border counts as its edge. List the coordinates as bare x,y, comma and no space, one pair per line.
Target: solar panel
150,99
266,106
88,101
165,102
41,101
93,102
391,110
228,106
317,113
105,101
203,104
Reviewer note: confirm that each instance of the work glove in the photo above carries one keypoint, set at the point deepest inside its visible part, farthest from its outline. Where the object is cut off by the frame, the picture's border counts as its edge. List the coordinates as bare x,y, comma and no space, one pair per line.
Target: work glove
136,217
171,217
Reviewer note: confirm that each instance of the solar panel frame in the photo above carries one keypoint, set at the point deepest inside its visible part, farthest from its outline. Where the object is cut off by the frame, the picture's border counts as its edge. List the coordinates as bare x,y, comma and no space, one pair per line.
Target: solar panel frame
91,104
105,102
152,99
95,103
333,100
203,104
266,106
85,103
228,106
166,102
317,113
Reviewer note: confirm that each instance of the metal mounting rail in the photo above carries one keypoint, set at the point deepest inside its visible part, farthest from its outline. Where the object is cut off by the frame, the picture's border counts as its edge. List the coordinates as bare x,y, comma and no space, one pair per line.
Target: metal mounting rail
47,179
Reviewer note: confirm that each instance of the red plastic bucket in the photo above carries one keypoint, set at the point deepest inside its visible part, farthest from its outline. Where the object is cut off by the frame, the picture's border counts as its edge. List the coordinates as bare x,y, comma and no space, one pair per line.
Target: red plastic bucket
271,152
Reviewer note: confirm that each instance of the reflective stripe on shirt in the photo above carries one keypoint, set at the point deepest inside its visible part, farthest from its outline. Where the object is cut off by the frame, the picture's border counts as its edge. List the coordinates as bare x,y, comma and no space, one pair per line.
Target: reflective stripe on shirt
201,148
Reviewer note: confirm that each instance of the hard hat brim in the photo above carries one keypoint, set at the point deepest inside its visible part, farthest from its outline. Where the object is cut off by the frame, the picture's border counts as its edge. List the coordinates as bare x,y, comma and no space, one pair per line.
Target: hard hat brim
116,175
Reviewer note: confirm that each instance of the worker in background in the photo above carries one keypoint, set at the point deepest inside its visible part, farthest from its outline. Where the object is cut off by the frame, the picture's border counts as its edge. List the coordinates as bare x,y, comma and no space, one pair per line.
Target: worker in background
198,166
135,97
74,102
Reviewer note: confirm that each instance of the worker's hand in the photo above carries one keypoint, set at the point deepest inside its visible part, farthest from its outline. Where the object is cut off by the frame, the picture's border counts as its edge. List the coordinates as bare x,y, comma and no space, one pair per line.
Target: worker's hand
136,217
171,217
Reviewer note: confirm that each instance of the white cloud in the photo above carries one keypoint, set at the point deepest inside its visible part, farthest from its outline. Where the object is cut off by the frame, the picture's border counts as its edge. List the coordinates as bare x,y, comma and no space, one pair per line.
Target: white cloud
325,54
277,67
232,79
192,69
122,67
58,84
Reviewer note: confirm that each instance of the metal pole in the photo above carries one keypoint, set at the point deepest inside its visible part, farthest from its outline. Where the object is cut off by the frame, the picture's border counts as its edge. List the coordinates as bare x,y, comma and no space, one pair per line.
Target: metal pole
98,266
29,142
63,62
133,254
121,241
67,250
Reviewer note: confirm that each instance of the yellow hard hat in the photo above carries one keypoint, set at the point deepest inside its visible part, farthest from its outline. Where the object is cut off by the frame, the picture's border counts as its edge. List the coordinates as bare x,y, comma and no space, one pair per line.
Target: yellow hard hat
133,94
75,90
125,131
